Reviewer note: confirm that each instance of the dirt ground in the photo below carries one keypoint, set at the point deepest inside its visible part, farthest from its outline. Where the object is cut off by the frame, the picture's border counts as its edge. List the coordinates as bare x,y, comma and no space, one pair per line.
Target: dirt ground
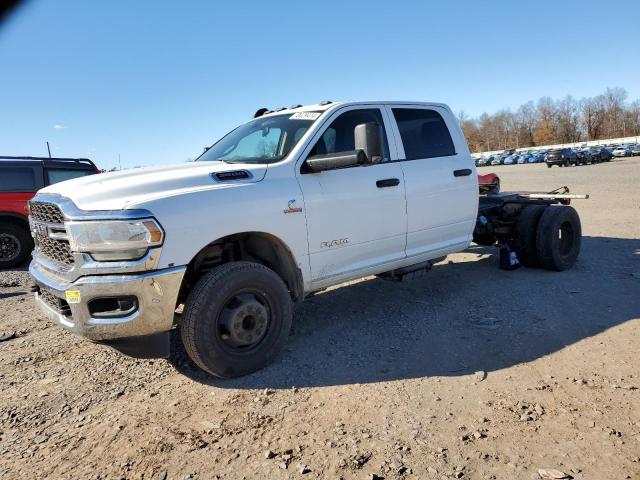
471,372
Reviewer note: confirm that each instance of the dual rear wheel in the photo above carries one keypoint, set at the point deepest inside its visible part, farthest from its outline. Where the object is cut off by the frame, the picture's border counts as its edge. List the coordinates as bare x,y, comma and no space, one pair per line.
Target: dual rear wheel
548,237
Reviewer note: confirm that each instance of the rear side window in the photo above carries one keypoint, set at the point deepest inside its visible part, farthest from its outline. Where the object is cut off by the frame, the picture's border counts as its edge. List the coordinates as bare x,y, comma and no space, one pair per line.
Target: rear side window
59,175
424,133
17,179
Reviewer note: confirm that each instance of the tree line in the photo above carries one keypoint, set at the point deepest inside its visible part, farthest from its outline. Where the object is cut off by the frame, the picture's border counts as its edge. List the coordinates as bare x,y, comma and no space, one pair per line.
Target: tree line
550,122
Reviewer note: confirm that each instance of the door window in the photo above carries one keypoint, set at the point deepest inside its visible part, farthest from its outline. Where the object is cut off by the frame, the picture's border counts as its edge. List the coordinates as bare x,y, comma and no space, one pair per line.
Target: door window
424,133
339,136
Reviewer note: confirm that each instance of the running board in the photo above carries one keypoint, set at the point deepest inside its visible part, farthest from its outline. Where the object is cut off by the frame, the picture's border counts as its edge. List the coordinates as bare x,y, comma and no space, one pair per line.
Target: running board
410,272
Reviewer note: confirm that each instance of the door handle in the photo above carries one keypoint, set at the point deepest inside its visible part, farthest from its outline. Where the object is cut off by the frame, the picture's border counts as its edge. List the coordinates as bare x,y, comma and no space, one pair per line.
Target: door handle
465,172
388,182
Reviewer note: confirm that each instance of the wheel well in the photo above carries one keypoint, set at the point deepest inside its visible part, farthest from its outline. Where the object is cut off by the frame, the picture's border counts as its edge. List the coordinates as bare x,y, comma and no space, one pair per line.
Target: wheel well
256,247
14,220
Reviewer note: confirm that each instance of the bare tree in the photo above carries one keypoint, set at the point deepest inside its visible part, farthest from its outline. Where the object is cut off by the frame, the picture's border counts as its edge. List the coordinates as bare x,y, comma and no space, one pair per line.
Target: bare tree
549,122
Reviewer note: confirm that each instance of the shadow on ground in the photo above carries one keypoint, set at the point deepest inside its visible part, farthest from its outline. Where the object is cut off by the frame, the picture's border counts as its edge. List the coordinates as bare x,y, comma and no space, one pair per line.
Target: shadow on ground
460,318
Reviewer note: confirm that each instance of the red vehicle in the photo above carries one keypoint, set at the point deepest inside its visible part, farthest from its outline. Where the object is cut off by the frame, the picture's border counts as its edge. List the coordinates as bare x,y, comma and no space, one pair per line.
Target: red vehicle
20,179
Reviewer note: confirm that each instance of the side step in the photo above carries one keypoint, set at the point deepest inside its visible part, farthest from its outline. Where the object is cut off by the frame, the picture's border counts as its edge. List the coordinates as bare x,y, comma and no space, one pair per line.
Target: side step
410,272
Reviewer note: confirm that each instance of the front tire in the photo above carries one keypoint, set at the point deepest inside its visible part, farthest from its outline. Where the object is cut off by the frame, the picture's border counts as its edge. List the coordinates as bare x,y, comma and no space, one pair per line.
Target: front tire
558,238
237,319
16,245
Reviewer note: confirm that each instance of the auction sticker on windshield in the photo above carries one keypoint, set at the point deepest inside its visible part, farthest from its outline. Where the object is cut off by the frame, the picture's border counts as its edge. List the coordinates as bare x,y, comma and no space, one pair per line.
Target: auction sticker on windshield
305,116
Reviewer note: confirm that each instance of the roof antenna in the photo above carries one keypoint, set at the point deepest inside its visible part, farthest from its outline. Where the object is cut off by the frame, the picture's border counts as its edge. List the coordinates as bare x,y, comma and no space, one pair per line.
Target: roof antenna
49,149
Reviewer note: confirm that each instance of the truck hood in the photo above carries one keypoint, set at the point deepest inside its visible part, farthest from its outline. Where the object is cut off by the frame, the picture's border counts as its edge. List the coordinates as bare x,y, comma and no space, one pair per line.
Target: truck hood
120,190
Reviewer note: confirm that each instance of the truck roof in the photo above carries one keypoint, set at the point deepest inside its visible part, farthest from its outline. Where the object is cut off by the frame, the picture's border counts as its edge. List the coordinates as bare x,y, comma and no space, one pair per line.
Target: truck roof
83,163
326,105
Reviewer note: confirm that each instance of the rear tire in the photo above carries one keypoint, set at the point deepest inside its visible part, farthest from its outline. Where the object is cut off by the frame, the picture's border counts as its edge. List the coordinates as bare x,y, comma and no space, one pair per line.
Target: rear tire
558,238
16,245
526,234
237,319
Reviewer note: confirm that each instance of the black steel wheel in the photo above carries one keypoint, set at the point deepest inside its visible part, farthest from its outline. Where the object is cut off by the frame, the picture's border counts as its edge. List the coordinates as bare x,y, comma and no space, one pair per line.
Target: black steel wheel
558,238
15,245
237,318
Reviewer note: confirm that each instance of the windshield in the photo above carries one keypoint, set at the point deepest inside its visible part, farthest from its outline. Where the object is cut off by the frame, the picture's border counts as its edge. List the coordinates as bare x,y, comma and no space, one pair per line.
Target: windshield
263,140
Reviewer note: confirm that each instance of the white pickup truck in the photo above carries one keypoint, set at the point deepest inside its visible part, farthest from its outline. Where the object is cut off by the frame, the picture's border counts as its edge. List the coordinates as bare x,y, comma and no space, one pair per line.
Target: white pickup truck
287,204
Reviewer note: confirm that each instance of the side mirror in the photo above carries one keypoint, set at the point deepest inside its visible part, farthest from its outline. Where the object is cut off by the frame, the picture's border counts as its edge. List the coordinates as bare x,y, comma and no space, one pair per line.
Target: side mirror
331,161
368,138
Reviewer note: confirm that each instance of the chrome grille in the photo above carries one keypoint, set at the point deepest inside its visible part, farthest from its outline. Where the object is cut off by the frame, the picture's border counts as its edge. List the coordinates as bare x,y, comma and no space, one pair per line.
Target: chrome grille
56,250
46,212
58,304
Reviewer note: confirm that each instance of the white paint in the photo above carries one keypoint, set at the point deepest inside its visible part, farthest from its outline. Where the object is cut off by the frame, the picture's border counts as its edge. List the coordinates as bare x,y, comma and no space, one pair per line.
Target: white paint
365,229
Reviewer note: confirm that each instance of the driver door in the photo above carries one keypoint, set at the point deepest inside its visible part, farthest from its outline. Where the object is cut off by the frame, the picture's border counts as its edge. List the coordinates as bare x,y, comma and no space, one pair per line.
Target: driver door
356,216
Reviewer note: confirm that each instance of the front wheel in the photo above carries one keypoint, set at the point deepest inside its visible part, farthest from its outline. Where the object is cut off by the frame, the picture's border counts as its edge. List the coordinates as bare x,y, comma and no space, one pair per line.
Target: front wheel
237,319
15,245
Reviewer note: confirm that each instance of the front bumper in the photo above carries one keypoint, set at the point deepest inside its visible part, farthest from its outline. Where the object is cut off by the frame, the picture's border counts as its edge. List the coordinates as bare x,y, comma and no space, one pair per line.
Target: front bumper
156,294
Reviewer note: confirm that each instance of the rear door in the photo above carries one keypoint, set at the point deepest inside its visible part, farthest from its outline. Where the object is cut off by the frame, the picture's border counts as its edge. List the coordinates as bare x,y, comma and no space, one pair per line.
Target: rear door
440,180
356,216
19,181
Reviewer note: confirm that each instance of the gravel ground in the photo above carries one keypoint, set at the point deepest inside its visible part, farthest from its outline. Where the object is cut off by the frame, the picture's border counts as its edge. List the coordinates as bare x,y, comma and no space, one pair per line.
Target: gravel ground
470,372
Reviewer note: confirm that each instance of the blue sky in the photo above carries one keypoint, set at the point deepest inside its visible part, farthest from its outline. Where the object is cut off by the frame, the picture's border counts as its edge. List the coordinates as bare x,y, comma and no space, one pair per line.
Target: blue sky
157,81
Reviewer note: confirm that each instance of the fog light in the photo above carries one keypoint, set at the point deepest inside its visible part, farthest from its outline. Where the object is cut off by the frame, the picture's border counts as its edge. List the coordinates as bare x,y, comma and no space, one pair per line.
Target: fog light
113,307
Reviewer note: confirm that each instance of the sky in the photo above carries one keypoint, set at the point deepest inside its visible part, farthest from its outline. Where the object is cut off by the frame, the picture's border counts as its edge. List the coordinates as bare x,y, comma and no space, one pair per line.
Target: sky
155,81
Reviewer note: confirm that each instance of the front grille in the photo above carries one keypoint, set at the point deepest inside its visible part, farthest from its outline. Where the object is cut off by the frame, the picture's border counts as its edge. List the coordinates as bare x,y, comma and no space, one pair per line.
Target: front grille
56,250
58,304
51,248
46,212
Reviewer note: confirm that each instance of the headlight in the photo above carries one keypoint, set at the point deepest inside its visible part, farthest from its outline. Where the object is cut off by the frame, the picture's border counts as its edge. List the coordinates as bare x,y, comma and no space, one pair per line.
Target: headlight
114,239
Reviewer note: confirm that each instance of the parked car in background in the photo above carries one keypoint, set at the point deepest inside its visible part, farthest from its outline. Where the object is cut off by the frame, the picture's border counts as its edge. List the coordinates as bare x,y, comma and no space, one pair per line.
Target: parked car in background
590,155
635,150
510,160
536,158
583,157
523,159
599,154
563,157
20,178
496,161
605,155
622,152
